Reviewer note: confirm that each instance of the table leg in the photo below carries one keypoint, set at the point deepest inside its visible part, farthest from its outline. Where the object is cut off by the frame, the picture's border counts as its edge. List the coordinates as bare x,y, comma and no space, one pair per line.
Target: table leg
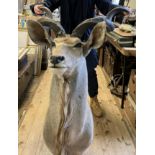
123,82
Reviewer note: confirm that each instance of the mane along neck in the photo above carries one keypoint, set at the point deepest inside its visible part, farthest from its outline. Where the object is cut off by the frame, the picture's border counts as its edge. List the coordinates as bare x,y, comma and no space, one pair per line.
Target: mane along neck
68,88
65,112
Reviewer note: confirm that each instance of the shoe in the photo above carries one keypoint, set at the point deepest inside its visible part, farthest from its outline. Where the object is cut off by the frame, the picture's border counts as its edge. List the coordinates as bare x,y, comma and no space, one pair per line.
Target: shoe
95,106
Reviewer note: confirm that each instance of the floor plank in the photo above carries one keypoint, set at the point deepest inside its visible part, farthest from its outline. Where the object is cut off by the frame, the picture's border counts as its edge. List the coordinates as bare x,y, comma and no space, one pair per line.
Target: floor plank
111,136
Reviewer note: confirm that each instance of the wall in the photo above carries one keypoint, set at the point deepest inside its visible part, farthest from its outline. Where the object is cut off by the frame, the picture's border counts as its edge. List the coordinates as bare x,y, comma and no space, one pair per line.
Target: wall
132,4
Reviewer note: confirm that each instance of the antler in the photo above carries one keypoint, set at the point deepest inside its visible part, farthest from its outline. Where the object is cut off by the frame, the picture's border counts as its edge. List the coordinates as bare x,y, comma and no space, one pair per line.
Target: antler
82,27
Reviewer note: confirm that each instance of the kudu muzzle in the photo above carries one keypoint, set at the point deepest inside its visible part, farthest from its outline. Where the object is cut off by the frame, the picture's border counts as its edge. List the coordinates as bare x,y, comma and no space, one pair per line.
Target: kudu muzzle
56,59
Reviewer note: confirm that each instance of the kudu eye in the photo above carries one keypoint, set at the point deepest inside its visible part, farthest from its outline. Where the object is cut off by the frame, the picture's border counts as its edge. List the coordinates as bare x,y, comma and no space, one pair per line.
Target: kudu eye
78,45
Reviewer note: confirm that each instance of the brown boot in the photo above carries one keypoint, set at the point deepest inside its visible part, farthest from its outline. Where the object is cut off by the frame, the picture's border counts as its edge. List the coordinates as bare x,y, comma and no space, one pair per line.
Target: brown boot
95,106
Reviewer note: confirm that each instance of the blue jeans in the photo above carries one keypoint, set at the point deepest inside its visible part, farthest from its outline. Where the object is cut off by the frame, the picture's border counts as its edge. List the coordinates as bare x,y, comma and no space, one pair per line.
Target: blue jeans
92,62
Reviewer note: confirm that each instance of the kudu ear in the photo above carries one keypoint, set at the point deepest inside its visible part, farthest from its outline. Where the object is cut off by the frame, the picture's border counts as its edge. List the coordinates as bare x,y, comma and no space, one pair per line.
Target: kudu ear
37,33
96,38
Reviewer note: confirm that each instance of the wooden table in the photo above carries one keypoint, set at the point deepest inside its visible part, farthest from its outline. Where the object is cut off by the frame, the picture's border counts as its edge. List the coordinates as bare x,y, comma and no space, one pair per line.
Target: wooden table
125,52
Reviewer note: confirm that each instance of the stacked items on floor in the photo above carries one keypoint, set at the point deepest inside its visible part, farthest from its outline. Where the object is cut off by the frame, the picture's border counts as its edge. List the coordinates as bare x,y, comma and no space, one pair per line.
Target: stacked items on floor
25,70
29,65
32,58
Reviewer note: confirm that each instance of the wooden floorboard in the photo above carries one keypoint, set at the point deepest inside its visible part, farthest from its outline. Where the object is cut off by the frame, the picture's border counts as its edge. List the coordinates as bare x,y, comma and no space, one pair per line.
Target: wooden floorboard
111,136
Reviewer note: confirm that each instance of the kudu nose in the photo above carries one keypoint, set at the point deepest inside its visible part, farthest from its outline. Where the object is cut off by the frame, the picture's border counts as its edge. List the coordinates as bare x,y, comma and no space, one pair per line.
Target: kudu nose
56,59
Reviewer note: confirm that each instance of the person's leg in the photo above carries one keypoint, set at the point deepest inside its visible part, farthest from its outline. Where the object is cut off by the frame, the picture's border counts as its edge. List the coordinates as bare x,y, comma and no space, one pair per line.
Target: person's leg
92,83
93,92
92,62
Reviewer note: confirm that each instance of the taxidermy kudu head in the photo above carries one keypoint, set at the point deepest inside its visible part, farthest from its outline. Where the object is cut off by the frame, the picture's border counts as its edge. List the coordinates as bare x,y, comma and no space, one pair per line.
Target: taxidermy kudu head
68,49
69,124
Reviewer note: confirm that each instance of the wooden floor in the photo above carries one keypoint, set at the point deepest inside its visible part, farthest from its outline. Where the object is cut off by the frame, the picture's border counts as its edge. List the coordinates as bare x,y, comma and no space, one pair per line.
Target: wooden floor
111,135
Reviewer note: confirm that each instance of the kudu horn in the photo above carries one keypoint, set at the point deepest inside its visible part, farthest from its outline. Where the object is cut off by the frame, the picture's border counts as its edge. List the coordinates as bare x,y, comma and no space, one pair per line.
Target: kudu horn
47,12
116,11
82,27
51,24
